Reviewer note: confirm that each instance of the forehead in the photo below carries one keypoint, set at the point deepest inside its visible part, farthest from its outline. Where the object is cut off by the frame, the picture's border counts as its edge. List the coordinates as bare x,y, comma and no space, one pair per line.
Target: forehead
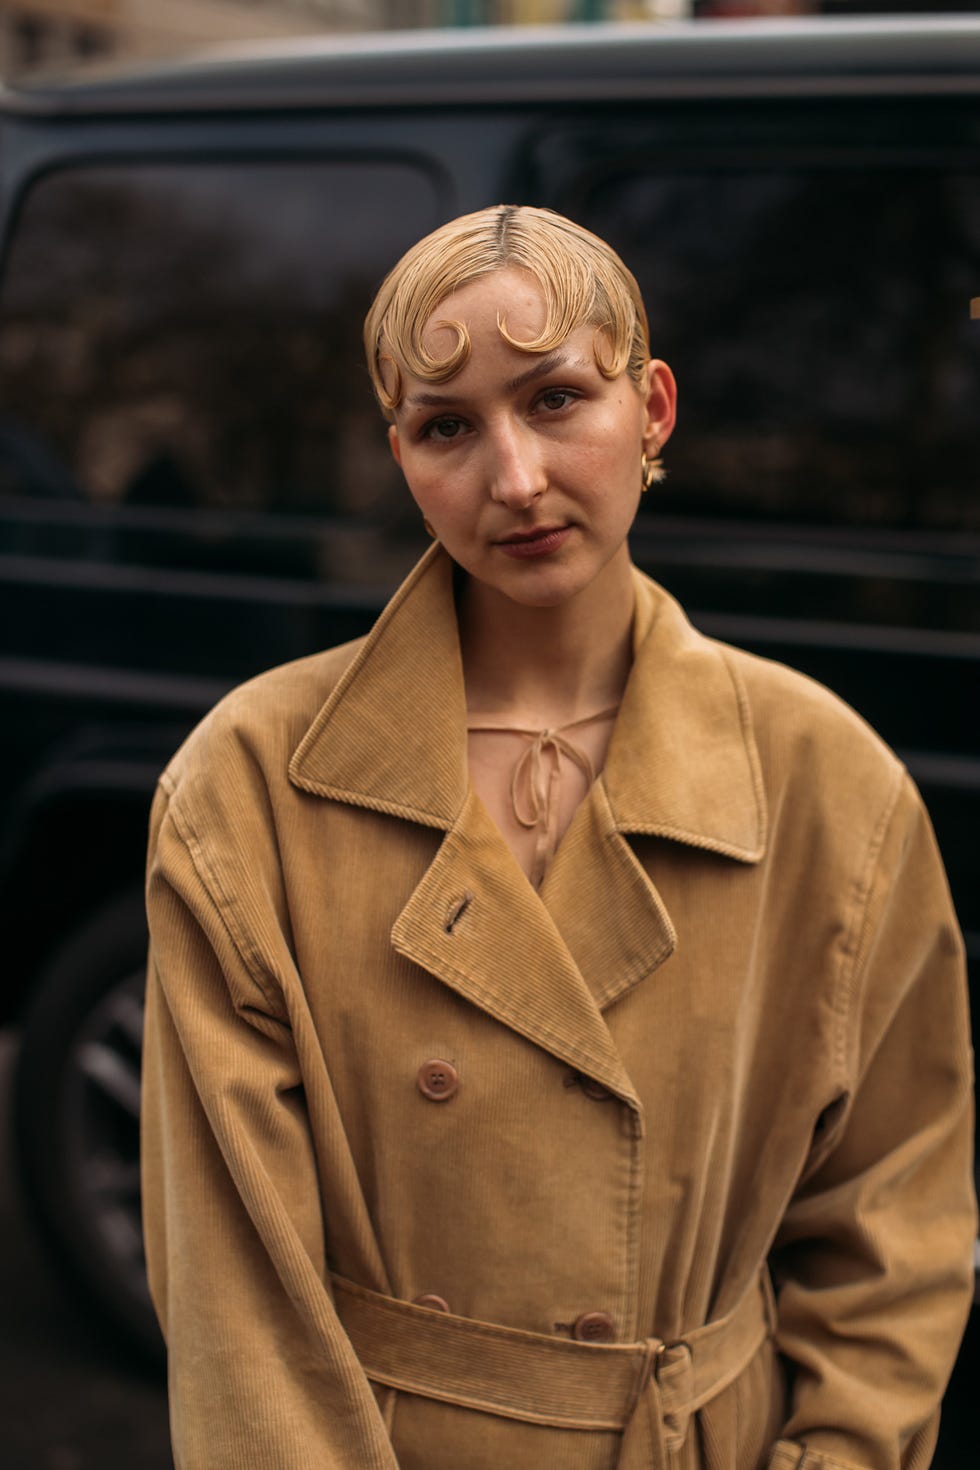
508,295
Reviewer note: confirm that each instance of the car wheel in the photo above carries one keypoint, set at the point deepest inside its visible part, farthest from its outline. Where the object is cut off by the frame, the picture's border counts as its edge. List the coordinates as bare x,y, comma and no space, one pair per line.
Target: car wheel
76,1118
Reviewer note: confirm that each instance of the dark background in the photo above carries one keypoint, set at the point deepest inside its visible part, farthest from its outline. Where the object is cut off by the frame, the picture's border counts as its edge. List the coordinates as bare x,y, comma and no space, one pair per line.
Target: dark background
68,1400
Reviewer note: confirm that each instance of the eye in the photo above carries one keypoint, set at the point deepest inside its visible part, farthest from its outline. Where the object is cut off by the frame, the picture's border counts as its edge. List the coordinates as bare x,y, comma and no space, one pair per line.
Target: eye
554,399
443,429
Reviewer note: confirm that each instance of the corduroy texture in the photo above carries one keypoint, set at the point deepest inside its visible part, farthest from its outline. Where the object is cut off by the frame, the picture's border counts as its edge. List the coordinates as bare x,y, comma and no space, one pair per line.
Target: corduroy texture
544,1378
745,937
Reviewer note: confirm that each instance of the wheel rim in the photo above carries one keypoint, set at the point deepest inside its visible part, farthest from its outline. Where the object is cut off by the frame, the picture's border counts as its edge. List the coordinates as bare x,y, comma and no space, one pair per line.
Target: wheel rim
100,1129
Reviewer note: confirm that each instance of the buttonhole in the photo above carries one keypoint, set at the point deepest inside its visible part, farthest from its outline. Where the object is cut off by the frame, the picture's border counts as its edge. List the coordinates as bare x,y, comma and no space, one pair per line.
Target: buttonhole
457,909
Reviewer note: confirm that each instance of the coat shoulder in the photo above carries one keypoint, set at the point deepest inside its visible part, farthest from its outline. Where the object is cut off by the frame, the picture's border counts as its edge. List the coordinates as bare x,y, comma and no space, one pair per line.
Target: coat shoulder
225,804
785,698
258,724
798,726
810,741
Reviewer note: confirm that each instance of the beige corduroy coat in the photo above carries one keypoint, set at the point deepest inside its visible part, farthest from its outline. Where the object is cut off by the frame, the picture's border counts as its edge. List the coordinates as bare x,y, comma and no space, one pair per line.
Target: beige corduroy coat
730,1030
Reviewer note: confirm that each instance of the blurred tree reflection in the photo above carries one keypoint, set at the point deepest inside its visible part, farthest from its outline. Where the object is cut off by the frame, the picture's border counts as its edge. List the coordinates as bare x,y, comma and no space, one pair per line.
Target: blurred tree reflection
192,335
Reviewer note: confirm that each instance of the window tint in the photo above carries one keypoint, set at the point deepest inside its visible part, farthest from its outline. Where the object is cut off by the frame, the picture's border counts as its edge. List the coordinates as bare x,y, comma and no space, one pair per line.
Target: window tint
188,338
819,326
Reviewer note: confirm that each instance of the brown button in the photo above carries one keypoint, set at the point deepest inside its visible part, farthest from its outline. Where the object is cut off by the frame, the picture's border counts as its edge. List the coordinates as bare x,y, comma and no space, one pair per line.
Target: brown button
437,1080
593,1327
594,1089
433,1302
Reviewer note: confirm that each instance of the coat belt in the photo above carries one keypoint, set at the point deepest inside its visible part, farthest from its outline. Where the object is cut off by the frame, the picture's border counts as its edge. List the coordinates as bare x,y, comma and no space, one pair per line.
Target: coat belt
646,1390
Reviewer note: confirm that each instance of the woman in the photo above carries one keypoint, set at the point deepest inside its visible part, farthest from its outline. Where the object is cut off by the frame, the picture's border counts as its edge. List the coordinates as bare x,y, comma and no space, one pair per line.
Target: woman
556,1044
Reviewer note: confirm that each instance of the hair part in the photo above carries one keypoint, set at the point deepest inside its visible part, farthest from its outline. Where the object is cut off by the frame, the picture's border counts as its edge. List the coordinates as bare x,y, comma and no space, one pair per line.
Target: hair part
582,279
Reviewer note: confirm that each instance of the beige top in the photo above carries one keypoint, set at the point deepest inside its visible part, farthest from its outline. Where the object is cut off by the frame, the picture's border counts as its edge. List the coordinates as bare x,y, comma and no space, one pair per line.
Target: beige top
535,783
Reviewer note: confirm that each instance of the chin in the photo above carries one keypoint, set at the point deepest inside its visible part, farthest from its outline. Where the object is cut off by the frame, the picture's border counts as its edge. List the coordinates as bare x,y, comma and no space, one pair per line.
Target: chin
549,587
546,584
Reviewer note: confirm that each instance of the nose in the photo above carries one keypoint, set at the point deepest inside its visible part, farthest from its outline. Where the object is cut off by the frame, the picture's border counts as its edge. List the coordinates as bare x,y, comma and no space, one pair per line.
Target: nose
516,473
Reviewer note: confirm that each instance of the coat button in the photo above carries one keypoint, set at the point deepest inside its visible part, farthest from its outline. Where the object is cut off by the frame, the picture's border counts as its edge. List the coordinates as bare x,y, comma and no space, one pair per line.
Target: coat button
430,1300
594,1089
437,1080
593,1327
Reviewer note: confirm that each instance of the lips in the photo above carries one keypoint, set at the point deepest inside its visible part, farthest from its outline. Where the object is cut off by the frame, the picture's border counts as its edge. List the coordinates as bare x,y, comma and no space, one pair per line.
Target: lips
534,534
537,541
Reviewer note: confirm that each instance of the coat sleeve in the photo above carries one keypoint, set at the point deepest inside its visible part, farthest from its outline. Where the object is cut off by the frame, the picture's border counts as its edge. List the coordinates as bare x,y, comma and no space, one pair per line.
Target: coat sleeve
262,1376
874,1258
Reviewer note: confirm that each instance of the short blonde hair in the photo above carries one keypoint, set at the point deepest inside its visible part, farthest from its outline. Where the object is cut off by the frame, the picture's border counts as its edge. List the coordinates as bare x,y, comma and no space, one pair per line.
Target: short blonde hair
583,280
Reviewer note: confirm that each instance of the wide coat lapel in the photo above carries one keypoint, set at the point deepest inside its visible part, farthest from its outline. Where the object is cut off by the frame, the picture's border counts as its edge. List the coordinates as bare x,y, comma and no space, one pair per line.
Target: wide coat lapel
476,922
681,765
392,737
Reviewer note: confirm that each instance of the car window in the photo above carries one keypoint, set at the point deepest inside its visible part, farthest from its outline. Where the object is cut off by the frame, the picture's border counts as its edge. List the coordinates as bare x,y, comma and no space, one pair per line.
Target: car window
180,339
818,321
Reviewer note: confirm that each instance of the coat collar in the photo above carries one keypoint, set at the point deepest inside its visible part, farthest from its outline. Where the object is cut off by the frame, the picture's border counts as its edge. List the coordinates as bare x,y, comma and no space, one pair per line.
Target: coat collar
392,735
682,763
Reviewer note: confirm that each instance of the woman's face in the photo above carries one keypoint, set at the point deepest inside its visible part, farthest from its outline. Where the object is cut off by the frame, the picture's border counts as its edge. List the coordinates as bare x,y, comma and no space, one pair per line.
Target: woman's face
527,466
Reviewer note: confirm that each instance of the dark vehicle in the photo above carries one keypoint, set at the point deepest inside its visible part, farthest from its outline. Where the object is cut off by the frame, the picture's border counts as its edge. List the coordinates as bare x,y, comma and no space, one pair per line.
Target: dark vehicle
194,482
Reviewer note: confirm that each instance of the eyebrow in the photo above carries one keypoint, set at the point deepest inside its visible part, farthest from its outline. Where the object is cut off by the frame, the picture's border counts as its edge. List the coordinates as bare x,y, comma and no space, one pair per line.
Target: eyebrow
539,370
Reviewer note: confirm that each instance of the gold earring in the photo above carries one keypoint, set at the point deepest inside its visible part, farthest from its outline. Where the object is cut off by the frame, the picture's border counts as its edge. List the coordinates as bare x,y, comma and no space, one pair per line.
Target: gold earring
652,470
428,528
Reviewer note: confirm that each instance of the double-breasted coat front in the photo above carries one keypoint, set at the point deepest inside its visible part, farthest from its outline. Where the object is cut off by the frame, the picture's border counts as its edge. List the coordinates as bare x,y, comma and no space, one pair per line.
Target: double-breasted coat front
725,1043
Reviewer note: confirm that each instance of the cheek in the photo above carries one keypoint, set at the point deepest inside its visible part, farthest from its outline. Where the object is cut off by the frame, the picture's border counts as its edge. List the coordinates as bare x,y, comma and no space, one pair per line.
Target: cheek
421,484
436,495
611,455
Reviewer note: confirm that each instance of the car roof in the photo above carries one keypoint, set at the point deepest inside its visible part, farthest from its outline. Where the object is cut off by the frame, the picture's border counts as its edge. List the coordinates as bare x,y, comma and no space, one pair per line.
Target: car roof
533,64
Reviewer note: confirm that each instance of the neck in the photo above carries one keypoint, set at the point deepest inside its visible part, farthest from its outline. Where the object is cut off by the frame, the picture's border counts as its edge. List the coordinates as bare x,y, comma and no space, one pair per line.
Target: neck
547,666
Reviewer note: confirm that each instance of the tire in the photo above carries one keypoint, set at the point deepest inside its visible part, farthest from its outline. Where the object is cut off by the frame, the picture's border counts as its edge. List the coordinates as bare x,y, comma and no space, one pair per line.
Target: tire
76,1119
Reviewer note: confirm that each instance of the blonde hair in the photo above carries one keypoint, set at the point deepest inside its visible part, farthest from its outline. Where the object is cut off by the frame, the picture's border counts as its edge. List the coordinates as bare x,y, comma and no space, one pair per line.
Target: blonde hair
583,281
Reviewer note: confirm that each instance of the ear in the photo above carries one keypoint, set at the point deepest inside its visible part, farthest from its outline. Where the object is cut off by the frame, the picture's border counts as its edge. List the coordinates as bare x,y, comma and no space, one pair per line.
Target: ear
660,402
394,445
